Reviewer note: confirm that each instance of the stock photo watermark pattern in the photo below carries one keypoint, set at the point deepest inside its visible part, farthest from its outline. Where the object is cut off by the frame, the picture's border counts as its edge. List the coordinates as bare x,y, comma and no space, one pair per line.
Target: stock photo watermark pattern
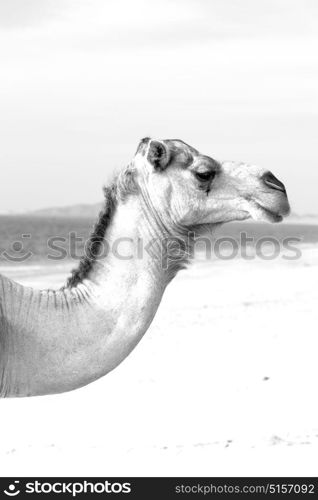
74,247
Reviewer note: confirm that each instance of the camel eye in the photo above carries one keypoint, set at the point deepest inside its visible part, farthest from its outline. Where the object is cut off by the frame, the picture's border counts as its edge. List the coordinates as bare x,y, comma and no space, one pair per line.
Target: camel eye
205,176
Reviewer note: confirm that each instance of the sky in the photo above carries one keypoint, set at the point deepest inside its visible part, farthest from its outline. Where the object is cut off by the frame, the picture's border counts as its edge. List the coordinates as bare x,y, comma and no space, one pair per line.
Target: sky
82,81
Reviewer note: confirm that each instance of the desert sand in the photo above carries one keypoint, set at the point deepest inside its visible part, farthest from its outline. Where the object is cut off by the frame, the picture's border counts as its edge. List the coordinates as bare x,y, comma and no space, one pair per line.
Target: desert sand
223,383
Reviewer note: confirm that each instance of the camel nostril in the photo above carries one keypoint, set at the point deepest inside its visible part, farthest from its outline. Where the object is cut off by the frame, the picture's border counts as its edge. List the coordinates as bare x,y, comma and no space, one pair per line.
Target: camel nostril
272,182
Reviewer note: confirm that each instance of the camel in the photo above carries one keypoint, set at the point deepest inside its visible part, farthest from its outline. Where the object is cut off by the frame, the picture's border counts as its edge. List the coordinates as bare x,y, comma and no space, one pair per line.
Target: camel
53,341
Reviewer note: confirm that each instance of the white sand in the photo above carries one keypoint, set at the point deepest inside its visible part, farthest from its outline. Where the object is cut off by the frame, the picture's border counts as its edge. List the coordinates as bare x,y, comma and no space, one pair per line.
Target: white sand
224,383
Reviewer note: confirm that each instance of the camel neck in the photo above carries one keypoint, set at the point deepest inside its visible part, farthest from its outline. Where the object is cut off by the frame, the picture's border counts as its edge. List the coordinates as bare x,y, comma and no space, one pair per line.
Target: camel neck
137,246
56,341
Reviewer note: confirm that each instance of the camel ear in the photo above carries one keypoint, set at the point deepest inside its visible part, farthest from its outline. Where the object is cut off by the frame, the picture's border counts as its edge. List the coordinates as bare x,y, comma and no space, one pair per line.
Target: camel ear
158,155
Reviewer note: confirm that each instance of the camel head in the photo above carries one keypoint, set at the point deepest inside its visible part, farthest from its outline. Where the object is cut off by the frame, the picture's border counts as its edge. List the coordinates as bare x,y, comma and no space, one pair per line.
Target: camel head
188,188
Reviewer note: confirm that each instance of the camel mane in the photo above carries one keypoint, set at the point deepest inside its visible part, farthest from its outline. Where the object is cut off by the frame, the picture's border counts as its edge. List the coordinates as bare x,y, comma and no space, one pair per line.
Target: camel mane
121,186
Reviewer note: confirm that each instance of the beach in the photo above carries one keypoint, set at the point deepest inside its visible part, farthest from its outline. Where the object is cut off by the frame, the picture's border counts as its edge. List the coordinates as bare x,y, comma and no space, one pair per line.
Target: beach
227,369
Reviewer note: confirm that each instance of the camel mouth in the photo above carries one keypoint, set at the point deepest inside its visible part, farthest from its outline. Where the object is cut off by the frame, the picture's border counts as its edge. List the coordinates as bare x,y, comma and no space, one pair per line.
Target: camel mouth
271,215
